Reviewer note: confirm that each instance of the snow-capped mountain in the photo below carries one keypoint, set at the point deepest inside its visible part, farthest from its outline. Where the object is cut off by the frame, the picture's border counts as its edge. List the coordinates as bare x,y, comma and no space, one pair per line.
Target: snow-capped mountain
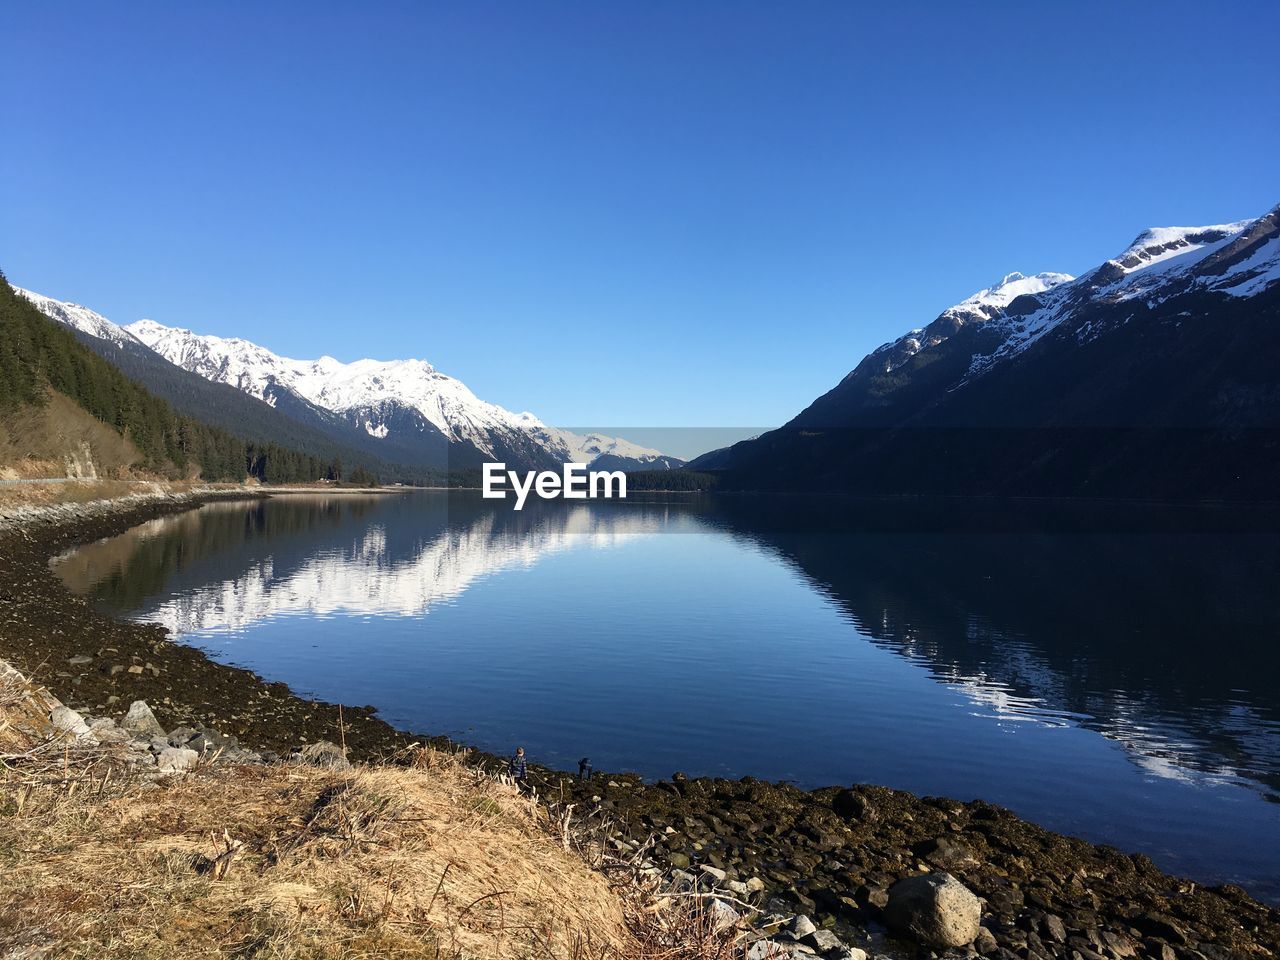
1150,374
1161,263
419,414
983,305
384,398
370,391
298,425
1150,267
79,318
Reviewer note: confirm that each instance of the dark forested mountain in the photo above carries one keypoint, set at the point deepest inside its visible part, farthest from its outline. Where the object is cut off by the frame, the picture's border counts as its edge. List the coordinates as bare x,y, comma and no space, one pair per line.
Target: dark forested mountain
38,356
1154,374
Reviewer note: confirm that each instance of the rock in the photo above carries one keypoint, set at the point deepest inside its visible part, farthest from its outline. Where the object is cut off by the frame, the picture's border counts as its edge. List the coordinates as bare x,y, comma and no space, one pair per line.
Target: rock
1119,945
823,941
684,878
985,942
847,953
135,669
67,722
322,753
179,736
141,722
801,927
873,896
946,852
1054,928
754,885
767,950
176,760
1160,925
771,923
723,916
803,901
852,805
714,873
104,730
79,660
678,860
935,909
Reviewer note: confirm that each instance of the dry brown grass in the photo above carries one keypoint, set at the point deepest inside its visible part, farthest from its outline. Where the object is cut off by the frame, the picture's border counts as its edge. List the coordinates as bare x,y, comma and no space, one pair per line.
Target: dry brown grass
428,860
76,491
379,862
40,440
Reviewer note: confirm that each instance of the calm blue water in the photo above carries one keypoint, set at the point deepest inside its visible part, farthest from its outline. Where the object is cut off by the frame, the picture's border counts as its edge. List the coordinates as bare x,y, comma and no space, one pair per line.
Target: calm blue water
1110,673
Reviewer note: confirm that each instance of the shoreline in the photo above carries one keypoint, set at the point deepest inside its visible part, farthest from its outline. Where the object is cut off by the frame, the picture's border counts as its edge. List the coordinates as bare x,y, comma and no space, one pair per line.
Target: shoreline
831,852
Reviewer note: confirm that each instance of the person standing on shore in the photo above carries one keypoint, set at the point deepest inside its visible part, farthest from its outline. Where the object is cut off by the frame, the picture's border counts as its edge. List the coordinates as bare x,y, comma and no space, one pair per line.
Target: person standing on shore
584,768
519,769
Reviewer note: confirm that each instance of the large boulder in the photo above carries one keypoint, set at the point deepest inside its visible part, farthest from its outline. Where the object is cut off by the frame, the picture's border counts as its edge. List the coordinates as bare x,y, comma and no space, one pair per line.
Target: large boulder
935,909
141,722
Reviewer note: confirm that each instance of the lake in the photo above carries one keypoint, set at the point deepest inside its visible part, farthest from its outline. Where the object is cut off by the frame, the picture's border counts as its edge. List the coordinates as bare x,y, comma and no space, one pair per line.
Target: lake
1108,671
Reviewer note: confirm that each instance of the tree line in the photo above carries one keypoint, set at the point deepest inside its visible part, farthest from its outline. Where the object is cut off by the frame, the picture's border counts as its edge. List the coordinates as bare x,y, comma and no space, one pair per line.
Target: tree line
37,355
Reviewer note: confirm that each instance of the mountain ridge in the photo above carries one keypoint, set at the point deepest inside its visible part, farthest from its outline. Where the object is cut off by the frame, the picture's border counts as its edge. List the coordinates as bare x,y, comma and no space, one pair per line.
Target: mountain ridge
1144,376
411,411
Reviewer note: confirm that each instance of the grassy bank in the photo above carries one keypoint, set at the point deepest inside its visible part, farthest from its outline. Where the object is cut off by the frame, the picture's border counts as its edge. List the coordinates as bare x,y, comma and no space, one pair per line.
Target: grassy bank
101,859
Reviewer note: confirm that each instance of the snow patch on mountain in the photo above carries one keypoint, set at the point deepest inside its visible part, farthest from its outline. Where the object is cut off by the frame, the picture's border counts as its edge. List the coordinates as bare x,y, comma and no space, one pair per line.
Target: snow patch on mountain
371,389
1255,274
981,306
1237,259
1159,244
78,318
363,385
370,393
1000,295
1162,262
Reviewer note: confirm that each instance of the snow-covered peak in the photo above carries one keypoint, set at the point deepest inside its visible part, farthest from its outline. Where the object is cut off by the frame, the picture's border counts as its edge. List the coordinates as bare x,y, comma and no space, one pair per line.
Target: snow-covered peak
579,448
1162,262
372,394
984,305
446,403
369,392
77,317
1012,286
1237,259
1159,244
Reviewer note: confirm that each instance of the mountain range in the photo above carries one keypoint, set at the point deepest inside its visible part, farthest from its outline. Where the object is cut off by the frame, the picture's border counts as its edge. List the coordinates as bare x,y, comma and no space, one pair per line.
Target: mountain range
1152,374
387,415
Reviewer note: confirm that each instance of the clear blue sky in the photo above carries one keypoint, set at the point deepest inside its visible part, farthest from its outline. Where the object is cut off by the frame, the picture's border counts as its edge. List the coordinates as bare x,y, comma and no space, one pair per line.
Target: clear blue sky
648,213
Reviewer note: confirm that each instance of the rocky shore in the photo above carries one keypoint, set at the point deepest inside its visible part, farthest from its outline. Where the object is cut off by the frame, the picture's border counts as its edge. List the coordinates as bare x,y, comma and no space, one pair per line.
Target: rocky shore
831,872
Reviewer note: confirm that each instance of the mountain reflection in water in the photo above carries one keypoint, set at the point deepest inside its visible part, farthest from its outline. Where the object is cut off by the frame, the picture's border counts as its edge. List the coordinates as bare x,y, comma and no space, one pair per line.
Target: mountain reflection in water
739,619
